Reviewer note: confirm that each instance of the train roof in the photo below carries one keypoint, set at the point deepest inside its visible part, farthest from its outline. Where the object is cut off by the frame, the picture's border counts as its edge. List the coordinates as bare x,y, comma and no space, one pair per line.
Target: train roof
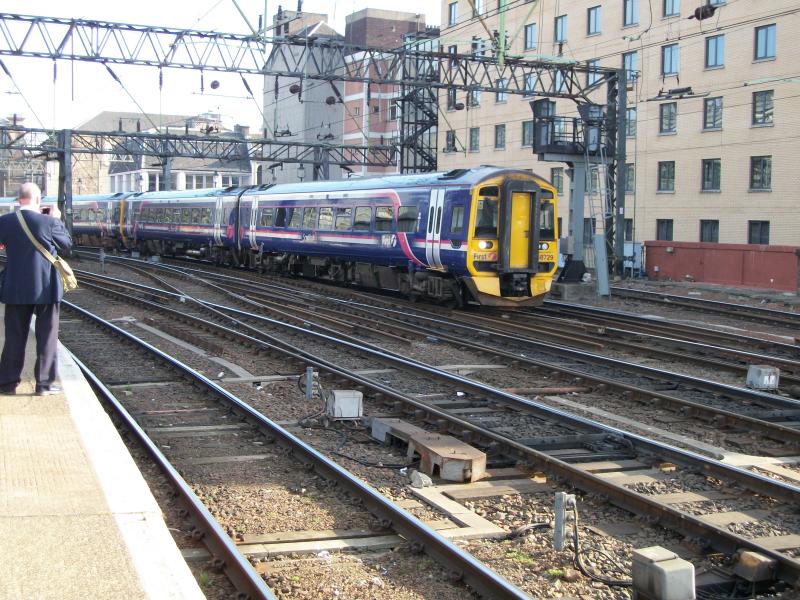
467,177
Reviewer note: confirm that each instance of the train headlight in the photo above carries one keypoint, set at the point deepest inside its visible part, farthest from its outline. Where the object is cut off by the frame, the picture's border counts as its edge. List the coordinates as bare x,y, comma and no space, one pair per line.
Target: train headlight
544,246
485,245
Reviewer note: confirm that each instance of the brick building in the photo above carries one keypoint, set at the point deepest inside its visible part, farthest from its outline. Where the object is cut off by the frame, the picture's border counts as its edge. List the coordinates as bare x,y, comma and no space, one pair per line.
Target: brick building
716,164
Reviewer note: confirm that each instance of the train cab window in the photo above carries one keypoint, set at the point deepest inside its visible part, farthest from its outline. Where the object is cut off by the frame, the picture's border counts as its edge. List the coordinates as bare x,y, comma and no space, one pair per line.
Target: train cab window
486,219
195,216
547,226
326,217
407,218
281,216
457,219
296,218
186,216
309,218
384,217
266,217
205,216
344,218
363,218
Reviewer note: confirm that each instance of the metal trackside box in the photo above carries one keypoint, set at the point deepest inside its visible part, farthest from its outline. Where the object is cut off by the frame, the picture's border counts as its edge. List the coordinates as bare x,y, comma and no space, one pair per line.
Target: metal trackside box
763,377
344,404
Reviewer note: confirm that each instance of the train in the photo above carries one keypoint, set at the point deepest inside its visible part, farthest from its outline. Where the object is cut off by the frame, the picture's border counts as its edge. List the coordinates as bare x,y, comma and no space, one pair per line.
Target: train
485,235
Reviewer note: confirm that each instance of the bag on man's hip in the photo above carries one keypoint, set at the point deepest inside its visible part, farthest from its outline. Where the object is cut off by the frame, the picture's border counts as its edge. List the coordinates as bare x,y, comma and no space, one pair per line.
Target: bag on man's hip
68,280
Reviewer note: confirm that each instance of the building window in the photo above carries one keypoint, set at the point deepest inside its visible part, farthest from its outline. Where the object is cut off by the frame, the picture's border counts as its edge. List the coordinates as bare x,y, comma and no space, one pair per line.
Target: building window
715,51
630,62
477,8
452,13
760,172
356,111
672,8
593,21
669,59
152,182
628,230
474,98
561,29
709,231
630,122
450,141
668,117
393,111
664,229
559,81
758,232
630,178
502,95
451,99
593,76
666,176
527,133
763,106
478,46
474,139
500,137
530,83
557,179
712,174
712,113
631,13
765,42
454,51
716,2
589,229
530,36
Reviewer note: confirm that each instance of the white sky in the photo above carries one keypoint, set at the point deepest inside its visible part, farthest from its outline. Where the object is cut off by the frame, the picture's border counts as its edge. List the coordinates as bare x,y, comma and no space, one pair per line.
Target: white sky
82,90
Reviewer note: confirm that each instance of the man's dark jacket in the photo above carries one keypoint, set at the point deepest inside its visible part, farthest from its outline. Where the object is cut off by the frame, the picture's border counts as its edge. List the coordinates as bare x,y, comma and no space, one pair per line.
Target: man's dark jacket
29,276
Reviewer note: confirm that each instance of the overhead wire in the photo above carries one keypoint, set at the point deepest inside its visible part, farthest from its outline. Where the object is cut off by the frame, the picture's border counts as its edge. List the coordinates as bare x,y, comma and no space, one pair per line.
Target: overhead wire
22,95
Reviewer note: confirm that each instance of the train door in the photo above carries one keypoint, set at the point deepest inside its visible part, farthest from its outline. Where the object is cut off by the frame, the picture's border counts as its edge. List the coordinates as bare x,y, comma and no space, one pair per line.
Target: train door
253,222
219,216
433,236
519,234
244,209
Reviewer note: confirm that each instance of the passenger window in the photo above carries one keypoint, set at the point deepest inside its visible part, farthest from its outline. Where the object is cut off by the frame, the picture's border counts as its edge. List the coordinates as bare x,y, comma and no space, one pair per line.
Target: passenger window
344,218
266,217
176,215
363,218
296,218
384,217
407,218
82,214
309,218
206,216
195,216
167,214
186,215
439,220
326,218
280,217
457,219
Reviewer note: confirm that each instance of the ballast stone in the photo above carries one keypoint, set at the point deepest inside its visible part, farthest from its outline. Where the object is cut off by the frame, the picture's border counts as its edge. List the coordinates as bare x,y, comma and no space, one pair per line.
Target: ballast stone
659,574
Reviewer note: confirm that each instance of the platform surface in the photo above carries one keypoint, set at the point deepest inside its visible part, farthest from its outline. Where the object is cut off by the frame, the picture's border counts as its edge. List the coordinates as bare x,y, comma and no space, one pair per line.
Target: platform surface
77,519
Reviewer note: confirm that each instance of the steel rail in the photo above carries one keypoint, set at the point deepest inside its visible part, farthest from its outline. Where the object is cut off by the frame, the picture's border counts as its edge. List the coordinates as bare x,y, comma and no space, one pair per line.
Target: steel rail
718,537
236,566
477,575
769,315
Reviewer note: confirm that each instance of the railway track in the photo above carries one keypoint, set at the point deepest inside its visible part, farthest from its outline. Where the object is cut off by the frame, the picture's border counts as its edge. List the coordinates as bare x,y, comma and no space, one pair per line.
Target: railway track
588,454
178,414
754,313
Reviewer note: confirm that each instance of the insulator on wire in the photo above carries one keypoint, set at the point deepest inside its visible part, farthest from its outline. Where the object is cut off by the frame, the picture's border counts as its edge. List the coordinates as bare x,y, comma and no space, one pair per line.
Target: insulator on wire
703,12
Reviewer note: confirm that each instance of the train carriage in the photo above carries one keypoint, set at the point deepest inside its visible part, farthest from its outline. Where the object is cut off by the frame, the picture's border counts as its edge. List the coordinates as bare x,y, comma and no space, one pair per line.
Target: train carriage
485,235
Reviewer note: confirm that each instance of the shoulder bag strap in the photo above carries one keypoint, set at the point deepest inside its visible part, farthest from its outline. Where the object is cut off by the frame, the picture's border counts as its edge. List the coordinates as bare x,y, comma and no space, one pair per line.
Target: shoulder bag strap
42,250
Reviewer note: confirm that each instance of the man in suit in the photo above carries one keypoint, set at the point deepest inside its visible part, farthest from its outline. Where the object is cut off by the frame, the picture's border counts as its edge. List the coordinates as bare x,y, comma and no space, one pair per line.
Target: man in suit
31,285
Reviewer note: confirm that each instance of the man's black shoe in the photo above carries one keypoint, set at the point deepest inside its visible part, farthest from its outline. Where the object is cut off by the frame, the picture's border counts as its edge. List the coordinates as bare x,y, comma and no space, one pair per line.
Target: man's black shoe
48,390
8,389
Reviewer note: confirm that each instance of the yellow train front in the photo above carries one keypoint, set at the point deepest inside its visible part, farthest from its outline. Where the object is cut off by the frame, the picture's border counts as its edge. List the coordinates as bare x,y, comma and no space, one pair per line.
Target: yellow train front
513,250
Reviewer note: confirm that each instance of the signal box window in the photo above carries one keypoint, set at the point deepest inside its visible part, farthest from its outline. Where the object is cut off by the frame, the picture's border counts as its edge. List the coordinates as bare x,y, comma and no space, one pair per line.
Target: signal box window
457,219
309,218
326,218
363,218
344,218
407,218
